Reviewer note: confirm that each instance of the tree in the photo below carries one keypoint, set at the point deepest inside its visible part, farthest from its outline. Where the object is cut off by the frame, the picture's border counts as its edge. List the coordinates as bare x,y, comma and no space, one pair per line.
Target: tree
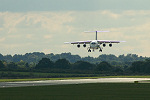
1,64
27,65
104,66
69,57
147,65
89,59
12,65
21,64
1,57
44,63
8,58
137,67
62,64
83,65
118,70
17,58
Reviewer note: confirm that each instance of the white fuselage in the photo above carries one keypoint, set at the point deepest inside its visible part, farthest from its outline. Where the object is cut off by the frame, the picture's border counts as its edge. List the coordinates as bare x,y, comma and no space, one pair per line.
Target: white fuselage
94,44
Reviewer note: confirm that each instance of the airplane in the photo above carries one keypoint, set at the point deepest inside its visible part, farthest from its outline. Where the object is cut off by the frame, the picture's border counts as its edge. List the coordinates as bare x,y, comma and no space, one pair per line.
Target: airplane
94,44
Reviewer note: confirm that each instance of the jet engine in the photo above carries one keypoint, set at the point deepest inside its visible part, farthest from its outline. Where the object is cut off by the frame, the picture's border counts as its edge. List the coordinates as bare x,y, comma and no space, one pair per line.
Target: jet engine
110,45
104,45
84,45
78,45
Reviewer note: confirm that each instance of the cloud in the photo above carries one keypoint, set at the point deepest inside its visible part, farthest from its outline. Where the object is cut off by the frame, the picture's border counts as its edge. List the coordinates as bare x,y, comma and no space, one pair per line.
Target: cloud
47,51
47,31
136,13
2,39
49,21
44,20
10,20
110,14
47,36
29,36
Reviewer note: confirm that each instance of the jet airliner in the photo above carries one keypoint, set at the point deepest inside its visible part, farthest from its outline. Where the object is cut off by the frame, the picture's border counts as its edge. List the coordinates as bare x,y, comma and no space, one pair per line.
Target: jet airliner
95,44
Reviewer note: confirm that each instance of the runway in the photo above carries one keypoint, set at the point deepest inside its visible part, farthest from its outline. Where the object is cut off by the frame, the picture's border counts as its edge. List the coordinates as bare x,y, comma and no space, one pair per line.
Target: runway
70,81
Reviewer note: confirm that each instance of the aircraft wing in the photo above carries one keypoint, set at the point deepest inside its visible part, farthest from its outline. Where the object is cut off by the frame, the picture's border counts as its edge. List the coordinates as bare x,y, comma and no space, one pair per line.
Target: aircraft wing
79,42
109,41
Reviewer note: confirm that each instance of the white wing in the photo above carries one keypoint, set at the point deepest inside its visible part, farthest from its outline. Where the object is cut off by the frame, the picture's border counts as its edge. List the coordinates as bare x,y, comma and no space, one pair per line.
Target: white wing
79,42
109,41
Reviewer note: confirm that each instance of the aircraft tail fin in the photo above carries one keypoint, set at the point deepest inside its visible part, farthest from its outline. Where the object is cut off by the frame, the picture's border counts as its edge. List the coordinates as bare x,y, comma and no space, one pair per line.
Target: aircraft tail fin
95,31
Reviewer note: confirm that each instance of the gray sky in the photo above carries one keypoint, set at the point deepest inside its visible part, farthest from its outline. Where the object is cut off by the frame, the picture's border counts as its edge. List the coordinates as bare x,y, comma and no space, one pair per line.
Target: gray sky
44,25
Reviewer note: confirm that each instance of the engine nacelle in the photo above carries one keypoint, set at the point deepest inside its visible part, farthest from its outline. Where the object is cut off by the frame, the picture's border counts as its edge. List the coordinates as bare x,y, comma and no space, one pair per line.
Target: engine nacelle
110,45
84,45
78,45
104,45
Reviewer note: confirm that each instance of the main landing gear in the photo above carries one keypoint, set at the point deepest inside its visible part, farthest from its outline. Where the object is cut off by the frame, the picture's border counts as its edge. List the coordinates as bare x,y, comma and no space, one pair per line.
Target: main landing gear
100,50
89,50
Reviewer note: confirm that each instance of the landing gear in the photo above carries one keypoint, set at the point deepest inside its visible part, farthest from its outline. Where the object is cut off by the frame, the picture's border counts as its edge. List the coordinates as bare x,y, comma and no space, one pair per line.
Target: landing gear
89,50
100,50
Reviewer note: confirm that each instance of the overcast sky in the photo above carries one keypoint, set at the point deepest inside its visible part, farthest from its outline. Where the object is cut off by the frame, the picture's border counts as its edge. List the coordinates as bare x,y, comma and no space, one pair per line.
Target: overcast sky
44,25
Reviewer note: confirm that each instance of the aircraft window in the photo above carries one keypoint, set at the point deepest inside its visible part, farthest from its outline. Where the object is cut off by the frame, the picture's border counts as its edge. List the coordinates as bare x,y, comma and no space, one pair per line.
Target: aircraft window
93,43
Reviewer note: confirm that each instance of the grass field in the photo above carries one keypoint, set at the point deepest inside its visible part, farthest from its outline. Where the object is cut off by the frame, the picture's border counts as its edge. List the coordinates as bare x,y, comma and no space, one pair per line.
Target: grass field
38,79
117,91
7,76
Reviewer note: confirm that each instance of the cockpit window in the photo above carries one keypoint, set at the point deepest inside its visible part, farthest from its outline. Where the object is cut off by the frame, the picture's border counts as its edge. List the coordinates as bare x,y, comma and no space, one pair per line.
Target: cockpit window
93,43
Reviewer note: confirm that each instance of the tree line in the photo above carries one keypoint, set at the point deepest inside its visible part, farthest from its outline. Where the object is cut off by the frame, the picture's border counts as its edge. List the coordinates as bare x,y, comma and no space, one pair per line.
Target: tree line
45,65
35,57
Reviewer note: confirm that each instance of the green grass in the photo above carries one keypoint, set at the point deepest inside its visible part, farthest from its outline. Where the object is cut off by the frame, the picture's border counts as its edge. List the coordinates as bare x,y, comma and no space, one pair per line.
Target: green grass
38,79
11,74
27,76
103,91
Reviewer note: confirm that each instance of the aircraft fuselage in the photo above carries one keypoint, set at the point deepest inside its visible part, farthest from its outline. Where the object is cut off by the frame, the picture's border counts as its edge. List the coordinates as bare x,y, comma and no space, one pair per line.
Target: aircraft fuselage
94,44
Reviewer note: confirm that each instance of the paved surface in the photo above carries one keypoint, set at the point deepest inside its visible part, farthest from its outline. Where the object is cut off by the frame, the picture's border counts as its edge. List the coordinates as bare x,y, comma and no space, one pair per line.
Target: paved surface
74,81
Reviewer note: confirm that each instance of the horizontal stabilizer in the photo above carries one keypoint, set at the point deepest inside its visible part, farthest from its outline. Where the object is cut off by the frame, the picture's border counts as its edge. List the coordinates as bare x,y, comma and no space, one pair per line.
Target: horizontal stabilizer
94,31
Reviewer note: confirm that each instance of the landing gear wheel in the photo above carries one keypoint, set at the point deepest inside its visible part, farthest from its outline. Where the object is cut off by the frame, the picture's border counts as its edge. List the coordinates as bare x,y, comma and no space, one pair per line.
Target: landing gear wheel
100,50
89,50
